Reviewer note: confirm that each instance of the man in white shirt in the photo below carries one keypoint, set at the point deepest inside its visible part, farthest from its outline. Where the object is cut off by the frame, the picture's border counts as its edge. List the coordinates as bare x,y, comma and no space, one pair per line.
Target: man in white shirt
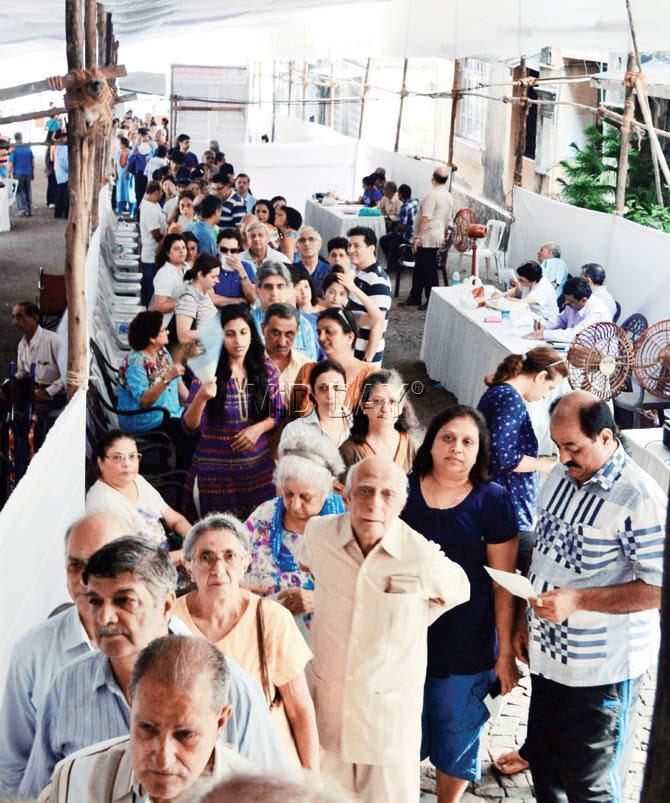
153,226
434,216
582,309
259,250
595,276
179,692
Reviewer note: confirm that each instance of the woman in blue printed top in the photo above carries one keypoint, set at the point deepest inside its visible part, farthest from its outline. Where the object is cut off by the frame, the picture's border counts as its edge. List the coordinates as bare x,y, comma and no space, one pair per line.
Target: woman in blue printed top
514,450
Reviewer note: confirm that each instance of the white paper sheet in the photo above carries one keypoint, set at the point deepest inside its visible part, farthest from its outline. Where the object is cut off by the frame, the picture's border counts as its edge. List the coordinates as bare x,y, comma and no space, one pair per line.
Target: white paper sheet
210,336
516,584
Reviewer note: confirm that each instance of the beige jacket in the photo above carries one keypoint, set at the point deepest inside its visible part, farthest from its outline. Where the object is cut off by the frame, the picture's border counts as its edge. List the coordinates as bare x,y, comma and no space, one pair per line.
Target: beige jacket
369,645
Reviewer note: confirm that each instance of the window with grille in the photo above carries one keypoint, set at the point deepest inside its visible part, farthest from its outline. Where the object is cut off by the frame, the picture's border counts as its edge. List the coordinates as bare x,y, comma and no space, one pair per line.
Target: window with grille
471,111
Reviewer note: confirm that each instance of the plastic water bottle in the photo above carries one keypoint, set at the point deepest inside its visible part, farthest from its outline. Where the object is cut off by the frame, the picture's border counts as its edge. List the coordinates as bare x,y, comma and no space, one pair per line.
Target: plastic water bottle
455,278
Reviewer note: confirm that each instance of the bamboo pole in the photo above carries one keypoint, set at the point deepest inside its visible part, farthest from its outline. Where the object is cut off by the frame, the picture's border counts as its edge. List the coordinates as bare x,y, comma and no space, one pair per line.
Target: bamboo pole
521,131
455,104
363,97
95,31
56,83
403,93
628,116
290,87
56,110
657,172
90,18
303,111
274,99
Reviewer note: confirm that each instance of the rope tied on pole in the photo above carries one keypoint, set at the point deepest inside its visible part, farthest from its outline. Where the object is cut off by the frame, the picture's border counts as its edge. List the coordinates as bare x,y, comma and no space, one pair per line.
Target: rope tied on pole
89,91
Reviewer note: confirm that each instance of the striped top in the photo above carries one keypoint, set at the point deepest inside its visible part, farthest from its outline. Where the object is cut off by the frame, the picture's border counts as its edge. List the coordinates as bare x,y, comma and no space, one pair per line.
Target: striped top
194,304
375,283
607,532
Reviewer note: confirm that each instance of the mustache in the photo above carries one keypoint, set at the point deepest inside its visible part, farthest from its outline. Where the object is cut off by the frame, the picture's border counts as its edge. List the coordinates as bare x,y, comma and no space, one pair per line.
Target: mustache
109,630
571,464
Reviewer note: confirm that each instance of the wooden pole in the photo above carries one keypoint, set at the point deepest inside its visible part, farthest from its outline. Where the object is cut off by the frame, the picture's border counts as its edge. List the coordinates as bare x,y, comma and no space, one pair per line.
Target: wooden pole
364,96
304,91
274,99
331,105
624,149
14,118
521,131
403,93
95,44
455,104
654,160
290,86
56,83
90,19
101,25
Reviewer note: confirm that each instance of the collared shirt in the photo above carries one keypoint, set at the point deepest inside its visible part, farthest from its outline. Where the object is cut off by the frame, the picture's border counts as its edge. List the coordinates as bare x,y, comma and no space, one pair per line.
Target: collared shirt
607,298
372,196
390,207
556,271
232,213
85,705
151,218
568,323
288,375
61,164
369,643
436,207
319,273
375,283
306,340
542,299
43,350
34,663
230,282
248,201
406,215
276,256
22,160
205,236
103,773
309,427
607,532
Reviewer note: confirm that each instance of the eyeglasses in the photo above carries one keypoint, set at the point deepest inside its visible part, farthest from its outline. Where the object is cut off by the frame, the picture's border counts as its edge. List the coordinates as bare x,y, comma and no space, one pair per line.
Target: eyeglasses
225,250
124,458
307,239
378,404
208,560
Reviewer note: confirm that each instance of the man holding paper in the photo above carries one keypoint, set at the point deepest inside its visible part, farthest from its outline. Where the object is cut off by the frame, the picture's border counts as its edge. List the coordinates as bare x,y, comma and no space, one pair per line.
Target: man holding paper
592,629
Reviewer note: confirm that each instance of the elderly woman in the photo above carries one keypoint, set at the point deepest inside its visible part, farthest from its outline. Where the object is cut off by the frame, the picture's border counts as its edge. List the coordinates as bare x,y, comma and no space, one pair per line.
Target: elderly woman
452,502
147,377
304,478
259,634
382,422
337,331
122,490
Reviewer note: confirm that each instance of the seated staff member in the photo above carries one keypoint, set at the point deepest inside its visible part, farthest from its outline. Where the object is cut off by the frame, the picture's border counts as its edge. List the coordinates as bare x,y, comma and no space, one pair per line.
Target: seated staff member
534,289
237,278
582,308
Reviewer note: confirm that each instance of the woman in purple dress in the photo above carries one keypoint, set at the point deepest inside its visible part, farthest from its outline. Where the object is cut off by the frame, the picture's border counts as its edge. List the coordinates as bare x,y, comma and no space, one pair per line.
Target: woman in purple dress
232,466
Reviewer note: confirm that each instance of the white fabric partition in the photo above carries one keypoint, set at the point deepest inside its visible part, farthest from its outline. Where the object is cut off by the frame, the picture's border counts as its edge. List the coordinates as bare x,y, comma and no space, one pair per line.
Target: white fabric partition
636,258
4,209
32,526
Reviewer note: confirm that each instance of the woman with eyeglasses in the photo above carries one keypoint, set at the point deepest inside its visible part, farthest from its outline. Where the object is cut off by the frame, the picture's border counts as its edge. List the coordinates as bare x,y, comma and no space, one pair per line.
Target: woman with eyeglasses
336,329
234,414
329,416
123,491
382,423
237,280
257,633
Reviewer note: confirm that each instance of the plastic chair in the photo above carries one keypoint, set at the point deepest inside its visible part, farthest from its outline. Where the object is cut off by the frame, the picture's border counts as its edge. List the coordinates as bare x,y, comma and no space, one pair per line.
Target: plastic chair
637,401
12,186
634,324
617,314
490,248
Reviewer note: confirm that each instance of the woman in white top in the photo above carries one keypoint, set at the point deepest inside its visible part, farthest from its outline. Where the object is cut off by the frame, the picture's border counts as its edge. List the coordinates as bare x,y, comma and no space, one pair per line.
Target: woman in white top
122,490
535,290
184,214
330,417
169,278
195,304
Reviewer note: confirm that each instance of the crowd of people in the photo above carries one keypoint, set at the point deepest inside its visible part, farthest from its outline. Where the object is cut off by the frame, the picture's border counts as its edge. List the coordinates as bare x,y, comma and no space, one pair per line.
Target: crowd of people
317,617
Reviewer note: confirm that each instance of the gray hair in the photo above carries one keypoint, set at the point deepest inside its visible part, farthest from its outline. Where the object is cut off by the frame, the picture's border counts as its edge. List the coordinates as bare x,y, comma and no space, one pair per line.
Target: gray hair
179,660
272,267
353,470
217,522
554,249
304,229
256,224
283,311
146,562
314,461
249,788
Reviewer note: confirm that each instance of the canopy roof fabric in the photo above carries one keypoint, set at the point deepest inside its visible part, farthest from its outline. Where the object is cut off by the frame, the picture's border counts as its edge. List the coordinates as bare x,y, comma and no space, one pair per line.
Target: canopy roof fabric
656,73
316,29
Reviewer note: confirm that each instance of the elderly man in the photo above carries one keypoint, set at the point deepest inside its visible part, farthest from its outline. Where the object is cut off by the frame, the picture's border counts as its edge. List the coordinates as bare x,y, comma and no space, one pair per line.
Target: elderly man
49,647
280,329
243,193
582,308
179,693
378,585
309,245
434,216
597,567
273,281
258,249
595,276
553,267
131,591
232,211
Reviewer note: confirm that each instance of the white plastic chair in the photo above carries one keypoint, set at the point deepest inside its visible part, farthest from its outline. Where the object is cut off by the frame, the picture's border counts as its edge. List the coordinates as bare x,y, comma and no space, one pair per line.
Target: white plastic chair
12,184
489,248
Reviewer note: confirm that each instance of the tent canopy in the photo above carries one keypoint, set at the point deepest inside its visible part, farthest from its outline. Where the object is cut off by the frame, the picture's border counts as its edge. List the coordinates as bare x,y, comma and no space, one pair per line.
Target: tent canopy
656,73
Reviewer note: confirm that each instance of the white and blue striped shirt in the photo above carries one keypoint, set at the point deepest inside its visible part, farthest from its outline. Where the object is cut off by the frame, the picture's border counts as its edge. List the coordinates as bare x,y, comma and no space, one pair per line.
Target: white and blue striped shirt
375,283
86,705
607,532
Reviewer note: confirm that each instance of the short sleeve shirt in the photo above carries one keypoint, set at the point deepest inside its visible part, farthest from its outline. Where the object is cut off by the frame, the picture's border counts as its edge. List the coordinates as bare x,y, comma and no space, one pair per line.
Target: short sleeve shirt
437,206
151,218
21,159
142,517
195,304
375,283
169,282
204,234
555,270
230,283
463,641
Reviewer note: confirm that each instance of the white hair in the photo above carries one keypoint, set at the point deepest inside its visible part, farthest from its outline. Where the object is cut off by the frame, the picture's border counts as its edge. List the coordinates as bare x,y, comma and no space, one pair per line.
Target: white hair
217,522
304,229
314,461
353,471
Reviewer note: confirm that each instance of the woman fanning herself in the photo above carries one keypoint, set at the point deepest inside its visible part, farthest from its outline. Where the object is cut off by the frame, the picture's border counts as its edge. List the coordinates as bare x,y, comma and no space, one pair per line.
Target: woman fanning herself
452,502
514,453
232,466
382,422
259,634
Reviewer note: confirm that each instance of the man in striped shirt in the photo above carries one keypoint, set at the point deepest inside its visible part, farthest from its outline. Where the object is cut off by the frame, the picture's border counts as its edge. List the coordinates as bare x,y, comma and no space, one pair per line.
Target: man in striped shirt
592,631
232,211
375,283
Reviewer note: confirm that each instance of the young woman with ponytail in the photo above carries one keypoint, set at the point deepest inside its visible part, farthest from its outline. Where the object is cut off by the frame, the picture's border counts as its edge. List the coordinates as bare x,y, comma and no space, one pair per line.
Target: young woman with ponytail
195,304
515,464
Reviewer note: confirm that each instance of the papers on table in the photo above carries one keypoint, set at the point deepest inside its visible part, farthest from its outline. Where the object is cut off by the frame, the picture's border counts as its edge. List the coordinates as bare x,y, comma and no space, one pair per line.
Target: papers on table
516,584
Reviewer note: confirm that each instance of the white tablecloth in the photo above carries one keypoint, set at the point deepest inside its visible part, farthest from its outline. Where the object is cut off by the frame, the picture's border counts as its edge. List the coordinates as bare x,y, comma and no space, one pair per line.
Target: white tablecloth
333,221
459,349
4,209
647,449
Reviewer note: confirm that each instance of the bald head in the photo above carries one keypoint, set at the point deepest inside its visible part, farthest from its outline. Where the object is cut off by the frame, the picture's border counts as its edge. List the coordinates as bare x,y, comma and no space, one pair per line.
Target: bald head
570,404
440,175
376,490
549,251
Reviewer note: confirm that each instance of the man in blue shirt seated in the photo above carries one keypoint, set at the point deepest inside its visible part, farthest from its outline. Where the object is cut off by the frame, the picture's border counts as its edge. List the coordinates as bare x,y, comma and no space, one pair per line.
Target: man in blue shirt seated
39,655
22,168
131,591
404,230
210,213
372,195
553,267
237,280
309,245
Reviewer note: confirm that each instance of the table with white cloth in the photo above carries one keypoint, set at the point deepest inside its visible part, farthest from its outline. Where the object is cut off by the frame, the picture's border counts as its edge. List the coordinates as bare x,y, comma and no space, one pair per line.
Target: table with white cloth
459,349
4,209
335,221
650,453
